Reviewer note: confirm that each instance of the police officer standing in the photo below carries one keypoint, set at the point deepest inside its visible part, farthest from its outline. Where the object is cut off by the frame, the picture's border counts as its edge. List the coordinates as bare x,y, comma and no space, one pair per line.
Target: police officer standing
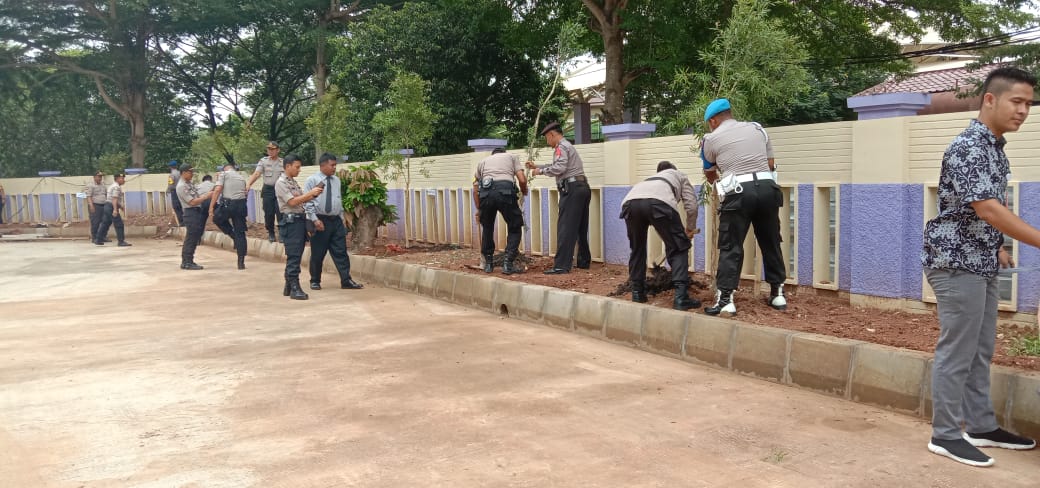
97,195
171,190
191,202
494,192
296,208
655,202
750,197
231,188
270,167
572,226
332,240
110,213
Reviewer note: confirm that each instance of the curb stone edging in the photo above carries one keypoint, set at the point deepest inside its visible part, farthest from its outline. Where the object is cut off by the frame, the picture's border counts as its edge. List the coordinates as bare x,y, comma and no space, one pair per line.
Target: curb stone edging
888,377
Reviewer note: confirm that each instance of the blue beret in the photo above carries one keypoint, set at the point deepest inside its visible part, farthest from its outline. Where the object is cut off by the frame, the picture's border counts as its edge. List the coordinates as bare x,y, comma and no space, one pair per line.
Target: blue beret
172,163
716,107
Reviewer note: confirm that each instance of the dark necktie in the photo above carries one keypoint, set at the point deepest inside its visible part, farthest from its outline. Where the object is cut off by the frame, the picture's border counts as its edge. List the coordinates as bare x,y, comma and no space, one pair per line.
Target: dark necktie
328,195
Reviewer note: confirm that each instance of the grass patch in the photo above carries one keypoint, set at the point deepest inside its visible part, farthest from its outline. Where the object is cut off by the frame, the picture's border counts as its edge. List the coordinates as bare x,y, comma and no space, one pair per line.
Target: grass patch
776,456
1024,346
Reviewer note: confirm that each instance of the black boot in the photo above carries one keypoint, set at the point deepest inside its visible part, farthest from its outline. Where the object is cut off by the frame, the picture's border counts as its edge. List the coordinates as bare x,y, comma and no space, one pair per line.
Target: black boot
723,303
776,297
270,235
241,262
295,292
285,292
639,291
682,297
509,265
489,263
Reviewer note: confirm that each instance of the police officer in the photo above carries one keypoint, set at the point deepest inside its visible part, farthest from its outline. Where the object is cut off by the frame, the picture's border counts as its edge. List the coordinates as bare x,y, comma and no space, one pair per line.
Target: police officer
332,240
494,192
655,202
191,201
741,151
171,190
572,226
231,217
270,167
296,208
205,187
111,213
97,195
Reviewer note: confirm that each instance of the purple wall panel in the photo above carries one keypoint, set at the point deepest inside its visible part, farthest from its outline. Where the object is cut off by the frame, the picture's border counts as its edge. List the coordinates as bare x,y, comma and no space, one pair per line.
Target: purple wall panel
250,206
49,206
805,234
845,242
527,222
884,224
396,198
545,224
1028,256
615,234
136,202
699,245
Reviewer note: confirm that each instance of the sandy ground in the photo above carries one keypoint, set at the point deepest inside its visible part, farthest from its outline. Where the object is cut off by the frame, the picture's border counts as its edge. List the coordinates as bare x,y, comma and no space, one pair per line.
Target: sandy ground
118,369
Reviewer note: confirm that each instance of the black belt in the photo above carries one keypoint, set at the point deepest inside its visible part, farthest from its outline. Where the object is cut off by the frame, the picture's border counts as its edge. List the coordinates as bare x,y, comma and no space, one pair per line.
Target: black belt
192,208
330,217
572,179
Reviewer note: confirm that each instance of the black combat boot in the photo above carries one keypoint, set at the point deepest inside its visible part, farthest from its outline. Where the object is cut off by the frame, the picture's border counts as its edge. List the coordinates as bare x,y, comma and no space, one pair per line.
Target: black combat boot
241,262
509,264
776,297
295,292
288,288
639,291
270,236
489,263
682,297
723,303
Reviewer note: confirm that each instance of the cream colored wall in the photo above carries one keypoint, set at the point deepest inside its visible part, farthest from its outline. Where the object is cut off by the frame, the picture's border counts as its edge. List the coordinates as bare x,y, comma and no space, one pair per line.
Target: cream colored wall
929,136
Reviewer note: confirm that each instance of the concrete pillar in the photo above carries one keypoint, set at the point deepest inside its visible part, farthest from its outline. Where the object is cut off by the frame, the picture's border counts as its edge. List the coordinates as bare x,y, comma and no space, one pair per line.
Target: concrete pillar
582,123
620,132
888,105
486,145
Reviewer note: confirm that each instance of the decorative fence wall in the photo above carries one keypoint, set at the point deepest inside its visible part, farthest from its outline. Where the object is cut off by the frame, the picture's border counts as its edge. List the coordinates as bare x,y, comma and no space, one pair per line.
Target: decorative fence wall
857,195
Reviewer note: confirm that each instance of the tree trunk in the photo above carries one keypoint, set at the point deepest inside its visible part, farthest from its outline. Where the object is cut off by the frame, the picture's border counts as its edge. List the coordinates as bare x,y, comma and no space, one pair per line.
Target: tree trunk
366,228
614,83
136,108
321,73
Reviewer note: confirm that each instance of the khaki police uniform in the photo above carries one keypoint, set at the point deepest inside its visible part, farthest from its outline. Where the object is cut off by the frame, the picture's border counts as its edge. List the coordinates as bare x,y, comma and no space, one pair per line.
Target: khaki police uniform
194,223
572,226
114,204
171,190
97,195
231,210
498,193
741,152
270,170
292,226
656,202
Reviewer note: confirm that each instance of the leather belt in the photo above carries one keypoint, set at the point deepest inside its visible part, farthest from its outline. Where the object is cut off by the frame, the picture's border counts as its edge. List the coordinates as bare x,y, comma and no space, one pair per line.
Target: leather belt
761,175
329,217
572,179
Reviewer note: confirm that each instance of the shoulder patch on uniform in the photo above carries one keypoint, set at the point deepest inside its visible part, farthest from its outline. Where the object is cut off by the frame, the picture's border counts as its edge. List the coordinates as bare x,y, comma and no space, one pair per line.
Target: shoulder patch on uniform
559,150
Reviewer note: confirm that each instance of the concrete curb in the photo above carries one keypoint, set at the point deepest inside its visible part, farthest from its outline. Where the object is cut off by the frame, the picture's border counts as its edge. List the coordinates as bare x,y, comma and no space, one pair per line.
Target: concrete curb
84,232
892,378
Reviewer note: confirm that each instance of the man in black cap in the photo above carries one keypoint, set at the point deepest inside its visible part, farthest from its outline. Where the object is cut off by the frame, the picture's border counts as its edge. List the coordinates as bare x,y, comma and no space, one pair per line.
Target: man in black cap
191,202
572,227
110,214
97,195
270,168
495,192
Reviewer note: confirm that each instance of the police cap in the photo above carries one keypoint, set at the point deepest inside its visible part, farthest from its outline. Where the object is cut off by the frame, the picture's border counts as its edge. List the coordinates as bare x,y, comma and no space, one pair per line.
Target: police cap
173,162
716,107
187,167
552,126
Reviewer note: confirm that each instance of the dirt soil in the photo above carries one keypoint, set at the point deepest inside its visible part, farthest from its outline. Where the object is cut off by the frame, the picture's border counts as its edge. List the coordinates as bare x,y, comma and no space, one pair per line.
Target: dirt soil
806,312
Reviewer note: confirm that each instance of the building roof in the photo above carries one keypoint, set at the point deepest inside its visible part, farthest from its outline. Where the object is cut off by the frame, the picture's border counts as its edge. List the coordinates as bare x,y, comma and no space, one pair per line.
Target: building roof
942,80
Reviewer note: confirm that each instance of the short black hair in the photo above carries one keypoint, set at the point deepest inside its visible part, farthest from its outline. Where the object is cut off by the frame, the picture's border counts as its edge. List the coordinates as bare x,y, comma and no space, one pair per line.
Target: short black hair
1000,80
497,150
663,165
207,178
326,157
292,158
229,166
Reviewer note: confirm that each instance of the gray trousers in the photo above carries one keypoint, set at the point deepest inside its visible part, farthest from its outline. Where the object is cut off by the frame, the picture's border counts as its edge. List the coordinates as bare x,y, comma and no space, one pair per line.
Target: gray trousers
967,305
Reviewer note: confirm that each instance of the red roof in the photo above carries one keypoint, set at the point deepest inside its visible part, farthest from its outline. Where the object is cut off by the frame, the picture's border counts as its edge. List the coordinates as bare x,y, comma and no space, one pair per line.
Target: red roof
953,79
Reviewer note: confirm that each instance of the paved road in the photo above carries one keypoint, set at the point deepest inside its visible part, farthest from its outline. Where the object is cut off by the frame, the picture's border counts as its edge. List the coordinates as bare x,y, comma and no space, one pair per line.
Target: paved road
117,369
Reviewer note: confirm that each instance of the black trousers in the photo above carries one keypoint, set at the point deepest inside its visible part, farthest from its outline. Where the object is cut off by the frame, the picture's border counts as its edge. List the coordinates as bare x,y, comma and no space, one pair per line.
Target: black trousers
505,203
193,225
96,216
332,240
176,203
293,235
270,202
2,210
107,221
639,215
758,206
230,217
572,226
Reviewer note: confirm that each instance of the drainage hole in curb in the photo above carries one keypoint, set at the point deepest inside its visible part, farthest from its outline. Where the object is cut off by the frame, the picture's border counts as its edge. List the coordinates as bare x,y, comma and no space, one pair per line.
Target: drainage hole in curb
502,309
